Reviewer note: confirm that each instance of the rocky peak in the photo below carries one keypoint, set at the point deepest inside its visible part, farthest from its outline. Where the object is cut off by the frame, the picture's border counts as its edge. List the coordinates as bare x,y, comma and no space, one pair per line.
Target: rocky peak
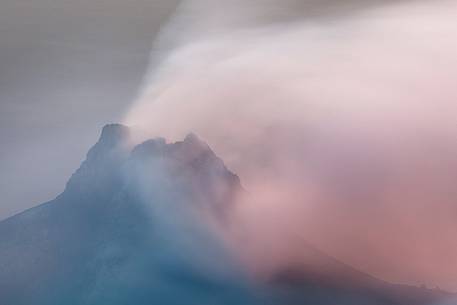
193,140
113,136
113,133
102,166
188,166
149,148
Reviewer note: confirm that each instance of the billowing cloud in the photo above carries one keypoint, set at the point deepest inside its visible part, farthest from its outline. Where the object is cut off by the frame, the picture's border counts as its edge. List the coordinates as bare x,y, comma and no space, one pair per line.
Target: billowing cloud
339,119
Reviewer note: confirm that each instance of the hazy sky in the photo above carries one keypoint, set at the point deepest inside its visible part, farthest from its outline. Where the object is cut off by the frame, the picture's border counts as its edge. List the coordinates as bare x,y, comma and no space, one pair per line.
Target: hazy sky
338,114
66,69
69,67
340,123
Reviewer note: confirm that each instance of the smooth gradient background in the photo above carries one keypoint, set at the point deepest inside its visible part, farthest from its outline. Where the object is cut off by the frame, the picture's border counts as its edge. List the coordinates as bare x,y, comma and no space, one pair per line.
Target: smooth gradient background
66,69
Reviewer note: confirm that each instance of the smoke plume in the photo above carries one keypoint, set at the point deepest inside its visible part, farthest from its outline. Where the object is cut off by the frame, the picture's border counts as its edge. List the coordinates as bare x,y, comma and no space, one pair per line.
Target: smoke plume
339,117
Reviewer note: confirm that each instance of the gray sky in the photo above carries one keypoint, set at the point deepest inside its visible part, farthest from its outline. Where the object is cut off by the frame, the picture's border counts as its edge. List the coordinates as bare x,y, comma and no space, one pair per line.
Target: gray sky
69,67
66,69
340,124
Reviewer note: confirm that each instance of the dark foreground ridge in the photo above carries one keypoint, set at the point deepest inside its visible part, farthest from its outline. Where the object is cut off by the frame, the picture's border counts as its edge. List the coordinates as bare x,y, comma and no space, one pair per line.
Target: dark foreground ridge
130,228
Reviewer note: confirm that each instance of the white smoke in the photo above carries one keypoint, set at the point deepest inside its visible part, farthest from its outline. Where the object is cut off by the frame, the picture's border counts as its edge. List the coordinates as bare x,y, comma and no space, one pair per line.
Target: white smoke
341,124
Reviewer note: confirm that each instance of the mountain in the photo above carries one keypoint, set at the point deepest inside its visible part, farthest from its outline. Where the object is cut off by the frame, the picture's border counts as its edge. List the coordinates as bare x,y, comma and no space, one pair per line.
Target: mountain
128,228
311,284
138,225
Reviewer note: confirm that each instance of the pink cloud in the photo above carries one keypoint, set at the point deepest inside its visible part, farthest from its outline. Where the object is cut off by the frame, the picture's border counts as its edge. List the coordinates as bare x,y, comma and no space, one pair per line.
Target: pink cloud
342,131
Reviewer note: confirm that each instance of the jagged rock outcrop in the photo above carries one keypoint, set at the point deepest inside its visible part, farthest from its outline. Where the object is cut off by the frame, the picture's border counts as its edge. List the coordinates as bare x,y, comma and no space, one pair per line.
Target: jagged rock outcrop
132,227
120,233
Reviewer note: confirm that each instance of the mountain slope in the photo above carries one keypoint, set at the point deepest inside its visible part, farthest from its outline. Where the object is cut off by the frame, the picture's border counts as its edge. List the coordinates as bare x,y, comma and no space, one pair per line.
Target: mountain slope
110,237
135,226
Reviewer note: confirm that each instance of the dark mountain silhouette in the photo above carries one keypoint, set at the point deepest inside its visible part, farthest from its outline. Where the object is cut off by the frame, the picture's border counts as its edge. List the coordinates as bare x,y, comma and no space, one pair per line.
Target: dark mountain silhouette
133,226
309,284
126,230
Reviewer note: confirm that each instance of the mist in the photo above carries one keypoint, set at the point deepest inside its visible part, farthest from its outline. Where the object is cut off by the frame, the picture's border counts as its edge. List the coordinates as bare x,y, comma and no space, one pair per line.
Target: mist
339,118
67,69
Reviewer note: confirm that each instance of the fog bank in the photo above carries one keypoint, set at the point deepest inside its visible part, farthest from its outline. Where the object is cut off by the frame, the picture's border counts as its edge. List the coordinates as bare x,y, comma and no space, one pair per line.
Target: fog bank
339,117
